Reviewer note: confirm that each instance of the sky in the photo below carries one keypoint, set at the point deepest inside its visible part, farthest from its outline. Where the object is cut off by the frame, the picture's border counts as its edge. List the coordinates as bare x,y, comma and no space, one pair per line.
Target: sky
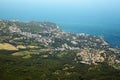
69,11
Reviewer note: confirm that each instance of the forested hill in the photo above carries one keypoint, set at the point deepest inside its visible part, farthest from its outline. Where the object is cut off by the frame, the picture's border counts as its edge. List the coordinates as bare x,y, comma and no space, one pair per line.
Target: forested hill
46,49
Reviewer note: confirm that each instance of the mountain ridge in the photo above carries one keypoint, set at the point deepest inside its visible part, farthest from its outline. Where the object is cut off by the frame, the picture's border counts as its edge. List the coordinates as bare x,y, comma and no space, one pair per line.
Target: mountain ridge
41,50
91,49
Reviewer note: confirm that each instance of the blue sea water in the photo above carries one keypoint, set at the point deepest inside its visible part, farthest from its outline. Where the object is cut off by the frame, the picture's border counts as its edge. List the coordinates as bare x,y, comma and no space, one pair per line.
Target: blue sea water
95,17
111,33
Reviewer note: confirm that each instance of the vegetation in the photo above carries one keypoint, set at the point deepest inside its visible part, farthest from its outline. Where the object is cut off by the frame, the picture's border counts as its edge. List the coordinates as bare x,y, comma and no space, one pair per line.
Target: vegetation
7,46
42,51
51,68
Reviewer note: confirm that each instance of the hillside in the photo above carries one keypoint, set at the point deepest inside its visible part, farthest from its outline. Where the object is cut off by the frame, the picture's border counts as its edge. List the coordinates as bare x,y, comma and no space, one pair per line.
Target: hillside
43,48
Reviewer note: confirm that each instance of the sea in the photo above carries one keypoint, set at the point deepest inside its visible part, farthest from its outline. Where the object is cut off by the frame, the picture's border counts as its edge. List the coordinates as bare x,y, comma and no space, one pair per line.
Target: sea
95,17
111,33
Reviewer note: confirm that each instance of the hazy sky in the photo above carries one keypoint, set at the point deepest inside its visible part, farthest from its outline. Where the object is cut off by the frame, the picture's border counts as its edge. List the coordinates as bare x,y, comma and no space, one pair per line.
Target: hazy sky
84,11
